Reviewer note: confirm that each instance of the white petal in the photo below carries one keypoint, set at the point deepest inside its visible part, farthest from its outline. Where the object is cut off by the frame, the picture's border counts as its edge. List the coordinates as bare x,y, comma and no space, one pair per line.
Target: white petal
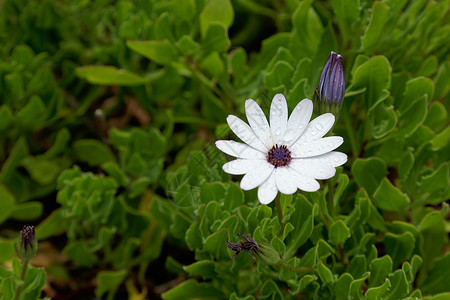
239,150
306,183
258,122
285,178
313,167
256,175
318,127
278,118
267,191
240,166
298,121
245,133
334,159
303,149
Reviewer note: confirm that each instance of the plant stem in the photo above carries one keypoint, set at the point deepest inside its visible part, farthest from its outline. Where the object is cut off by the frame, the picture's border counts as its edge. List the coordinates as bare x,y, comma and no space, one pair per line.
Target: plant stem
280,212
331,199
22,277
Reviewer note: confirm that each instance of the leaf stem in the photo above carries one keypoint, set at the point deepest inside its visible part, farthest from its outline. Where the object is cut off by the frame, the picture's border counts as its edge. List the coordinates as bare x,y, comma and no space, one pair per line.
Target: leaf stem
280,212
22,277
351,133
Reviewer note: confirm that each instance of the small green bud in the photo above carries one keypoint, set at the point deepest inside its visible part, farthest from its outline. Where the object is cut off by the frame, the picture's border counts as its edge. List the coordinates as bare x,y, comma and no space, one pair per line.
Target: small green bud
27,244
267,254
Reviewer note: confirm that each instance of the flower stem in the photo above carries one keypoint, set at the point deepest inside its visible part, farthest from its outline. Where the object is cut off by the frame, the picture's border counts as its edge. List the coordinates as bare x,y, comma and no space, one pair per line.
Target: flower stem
331,199
351,133
280,212
22,277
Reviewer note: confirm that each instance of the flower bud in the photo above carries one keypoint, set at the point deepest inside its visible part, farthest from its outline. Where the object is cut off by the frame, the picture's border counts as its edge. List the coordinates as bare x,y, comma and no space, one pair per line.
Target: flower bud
331,88
27,243
267,254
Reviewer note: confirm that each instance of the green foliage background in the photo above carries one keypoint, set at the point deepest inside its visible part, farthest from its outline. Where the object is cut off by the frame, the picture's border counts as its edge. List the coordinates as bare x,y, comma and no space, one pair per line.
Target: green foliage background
108,115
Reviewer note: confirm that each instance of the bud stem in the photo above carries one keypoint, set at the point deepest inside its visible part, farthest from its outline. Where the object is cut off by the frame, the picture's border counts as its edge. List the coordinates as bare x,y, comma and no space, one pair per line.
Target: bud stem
22,277
280,212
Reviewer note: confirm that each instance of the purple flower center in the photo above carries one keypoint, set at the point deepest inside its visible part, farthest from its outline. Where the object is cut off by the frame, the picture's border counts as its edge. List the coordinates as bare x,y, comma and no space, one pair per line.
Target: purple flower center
279,156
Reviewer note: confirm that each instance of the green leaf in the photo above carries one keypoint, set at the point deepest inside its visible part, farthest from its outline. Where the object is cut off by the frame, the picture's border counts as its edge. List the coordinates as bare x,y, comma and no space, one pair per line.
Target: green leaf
399,246
308,27
439,179
375,76
6,117
442,139
436,117
379,269
109,281
215,244
161,52
342,286
7,250
203,268
191,289
80,254
399,286
406,164
376,293
435,236
355,286
390,198
324,273
109,75
7,203
216,39
384,121
303,220
375,28
93,152
428,67
27,211
348,9
32,114
368,173
43,171
339,232
415,89
216,11
280,75
437,280
357,266
54,224
234,197
412,118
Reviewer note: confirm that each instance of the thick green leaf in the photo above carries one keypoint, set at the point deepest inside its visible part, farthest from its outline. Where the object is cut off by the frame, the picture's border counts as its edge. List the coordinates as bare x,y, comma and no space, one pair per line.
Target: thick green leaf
399,286
384,121
324,273
378,292
390,198
191,289
6,117
7,250
348,9
109,281
7,202
216,38
379,269
368,173
109,75
339,232
439,179
308,27
93,152
375,76
32,114
215,244
375,29
161,52
27,211
342,286
399,246
203,268
216,11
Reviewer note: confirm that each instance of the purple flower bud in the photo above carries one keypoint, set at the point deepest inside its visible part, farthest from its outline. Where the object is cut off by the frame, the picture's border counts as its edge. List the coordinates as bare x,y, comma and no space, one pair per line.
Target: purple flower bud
331,88
27,244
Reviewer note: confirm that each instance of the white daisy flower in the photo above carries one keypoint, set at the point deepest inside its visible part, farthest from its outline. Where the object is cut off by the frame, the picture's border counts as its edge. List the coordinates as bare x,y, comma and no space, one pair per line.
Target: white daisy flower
288,154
